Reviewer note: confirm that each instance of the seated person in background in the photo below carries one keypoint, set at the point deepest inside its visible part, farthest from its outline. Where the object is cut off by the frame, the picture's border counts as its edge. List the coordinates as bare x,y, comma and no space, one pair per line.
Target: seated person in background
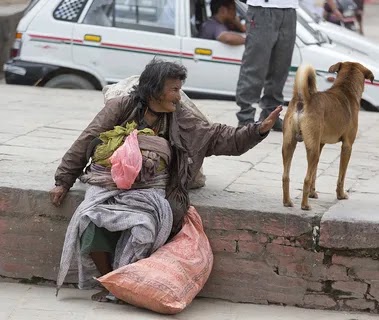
332,13
223,23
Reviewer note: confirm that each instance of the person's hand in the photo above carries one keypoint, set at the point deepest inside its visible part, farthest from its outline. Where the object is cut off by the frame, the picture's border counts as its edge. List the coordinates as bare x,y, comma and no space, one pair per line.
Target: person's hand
338,15
57,195
269,122
241,27
236,25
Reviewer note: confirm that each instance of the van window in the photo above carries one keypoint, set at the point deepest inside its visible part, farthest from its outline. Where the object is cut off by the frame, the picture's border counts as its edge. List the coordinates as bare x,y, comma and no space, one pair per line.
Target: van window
202,12
149,15
100,13
145,15
198,16
69,10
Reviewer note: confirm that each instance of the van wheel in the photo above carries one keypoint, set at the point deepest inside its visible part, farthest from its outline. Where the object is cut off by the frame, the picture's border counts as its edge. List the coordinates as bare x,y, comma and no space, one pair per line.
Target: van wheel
69,81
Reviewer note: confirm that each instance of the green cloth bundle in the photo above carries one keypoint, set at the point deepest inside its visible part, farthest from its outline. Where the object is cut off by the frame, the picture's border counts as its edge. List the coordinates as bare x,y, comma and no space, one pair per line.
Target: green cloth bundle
112,139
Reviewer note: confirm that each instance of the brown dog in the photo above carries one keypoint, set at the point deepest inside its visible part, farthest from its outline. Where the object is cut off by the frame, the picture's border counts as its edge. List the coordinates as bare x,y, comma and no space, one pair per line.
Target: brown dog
318,118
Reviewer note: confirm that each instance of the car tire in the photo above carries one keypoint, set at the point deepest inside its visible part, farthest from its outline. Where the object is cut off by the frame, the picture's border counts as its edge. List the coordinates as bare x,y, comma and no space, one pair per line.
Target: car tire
368,106
69,81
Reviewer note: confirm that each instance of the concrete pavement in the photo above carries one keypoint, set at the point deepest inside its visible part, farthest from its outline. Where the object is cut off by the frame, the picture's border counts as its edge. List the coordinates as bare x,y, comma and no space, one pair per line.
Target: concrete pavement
28,302
38,125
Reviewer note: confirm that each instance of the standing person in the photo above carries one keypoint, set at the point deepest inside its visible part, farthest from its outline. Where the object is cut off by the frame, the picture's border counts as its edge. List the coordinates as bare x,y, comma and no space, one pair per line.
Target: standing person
270,39
113,227
359,14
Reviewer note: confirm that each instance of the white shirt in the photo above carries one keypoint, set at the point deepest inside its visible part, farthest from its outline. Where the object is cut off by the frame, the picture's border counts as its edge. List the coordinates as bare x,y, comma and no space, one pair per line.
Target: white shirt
274,3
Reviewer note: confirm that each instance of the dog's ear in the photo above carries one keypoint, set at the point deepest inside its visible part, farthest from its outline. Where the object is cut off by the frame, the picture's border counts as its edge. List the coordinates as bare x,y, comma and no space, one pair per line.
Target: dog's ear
368,75
335,67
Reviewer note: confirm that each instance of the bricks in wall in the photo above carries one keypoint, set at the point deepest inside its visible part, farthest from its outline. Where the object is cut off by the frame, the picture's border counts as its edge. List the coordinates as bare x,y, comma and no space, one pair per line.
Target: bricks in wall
258,258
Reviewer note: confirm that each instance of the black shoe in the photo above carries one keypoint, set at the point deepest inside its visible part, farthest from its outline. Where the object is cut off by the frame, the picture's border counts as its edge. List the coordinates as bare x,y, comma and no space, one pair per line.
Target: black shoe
264,114
246,118
278,126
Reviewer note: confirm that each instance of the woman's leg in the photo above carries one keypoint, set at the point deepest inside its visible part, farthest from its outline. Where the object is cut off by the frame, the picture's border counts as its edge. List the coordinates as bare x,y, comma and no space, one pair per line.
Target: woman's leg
103,264
102,261
100,244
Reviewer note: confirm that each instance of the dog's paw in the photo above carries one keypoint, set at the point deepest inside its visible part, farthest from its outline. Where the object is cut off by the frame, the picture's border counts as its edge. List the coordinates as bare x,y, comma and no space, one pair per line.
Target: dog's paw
288,203
313,195
342,196
306,207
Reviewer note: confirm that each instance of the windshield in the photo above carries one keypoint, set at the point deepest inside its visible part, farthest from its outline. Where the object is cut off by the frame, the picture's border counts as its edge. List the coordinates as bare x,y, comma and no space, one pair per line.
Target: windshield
305,35
30,6
241,9
309,35
307,14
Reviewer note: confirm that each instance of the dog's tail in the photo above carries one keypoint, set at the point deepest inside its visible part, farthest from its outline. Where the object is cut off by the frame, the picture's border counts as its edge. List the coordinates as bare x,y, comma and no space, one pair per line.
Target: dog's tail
305,83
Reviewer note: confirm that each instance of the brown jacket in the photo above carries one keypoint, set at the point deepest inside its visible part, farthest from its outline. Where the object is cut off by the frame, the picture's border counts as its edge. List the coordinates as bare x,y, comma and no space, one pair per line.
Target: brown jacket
191,136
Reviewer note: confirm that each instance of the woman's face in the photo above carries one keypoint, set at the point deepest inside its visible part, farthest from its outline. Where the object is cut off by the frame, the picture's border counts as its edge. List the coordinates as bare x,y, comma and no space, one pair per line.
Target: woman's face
170,97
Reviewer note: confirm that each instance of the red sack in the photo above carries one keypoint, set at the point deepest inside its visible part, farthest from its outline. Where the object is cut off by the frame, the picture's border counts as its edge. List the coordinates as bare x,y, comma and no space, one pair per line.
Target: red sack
168,280
126,162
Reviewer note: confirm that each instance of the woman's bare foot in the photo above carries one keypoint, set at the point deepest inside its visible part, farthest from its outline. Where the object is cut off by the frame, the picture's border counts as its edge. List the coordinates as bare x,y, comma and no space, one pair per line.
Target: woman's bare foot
100,296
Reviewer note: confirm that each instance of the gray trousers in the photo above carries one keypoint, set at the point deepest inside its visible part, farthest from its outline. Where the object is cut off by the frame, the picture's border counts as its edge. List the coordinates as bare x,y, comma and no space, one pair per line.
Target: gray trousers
270,39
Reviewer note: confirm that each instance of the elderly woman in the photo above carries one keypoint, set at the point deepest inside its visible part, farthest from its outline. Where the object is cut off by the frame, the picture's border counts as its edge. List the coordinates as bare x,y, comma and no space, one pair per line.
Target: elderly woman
113,227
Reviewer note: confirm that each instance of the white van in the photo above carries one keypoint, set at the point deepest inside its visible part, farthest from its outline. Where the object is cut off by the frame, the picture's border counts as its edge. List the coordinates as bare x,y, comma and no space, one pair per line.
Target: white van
87,44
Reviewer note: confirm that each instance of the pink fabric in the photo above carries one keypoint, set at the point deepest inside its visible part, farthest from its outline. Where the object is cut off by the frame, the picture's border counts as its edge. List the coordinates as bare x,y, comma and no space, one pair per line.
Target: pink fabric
168,280
126,162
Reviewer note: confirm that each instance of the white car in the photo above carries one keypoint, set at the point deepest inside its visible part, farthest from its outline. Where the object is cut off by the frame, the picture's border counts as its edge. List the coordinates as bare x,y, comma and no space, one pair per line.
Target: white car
87,44
338,34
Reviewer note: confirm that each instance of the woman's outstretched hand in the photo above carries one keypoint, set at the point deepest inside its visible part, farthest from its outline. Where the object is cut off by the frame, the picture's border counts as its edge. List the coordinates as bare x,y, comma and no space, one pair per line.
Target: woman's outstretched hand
269,122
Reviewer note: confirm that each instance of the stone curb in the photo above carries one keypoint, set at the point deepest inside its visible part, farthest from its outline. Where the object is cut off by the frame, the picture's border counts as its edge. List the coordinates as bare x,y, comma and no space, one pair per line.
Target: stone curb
261,255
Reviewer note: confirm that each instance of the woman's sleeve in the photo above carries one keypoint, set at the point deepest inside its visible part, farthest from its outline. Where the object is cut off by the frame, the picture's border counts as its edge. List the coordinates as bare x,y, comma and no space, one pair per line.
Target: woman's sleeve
227,140
75,160
219,139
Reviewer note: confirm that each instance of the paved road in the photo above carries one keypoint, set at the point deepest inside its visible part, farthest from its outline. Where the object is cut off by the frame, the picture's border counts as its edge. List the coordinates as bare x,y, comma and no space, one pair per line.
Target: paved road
25,302
37,125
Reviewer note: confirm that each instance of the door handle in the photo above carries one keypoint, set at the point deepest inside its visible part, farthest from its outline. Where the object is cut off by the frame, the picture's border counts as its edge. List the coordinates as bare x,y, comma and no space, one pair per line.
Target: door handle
203,52
92,38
